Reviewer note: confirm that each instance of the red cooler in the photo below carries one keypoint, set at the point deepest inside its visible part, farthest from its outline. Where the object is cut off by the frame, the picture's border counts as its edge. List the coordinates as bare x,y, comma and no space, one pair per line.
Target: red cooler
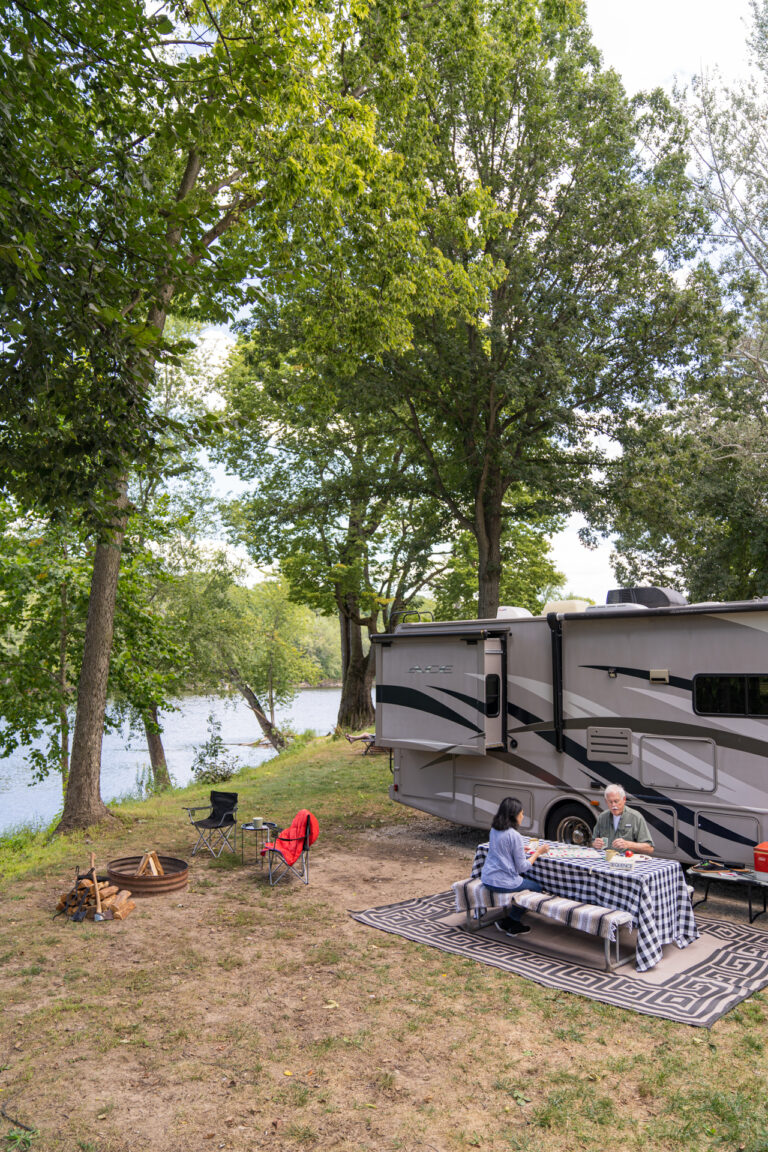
761,857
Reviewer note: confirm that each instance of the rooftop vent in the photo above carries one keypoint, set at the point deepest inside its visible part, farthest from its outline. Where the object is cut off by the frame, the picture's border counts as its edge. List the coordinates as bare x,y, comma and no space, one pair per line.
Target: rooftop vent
647,597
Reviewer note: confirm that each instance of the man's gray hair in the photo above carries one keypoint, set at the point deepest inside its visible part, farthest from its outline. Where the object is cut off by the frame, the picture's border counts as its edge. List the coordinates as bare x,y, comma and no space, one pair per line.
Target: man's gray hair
615,788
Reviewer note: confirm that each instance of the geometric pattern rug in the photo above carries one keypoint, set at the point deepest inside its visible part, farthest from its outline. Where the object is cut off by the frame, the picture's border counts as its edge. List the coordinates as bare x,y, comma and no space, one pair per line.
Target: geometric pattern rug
696,985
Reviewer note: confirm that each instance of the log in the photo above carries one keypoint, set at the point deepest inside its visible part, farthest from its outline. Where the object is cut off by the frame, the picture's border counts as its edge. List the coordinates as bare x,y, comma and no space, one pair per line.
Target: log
159,870
123,895
123,910
147,864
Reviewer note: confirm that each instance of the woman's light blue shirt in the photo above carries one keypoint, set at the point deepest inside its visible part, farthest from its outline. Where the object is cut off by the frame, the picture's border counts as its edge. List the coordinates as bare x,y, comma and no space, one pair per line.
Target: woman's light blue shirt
505,863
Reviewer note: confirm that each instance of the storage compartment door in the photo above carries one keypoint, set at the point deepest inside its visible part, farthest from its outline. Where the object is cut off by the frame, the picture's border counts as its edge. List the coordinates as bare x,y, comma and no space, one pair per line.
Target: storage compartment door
688,762
727,835
430,693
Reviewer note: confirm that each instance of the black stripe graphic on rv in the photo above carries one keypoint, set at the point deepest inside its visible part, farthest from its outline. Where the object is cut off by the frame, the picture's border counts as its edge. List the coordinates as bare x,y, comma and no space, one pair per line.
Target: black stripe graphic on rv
640,674
648,725
614,775
412,698
532,770
478,705
661,728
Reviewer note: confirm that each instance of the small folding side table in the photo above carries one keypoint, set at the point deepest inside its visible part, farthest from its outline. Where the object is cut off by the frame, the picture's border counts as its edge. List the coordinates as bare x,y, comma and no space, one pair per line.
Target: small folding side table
262,835
737,880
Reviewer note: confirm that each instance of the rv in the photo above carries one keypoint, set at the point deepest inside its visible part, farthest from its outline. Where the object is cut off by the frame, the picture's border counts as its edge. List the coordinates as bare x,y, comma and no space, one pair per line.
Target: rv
666,698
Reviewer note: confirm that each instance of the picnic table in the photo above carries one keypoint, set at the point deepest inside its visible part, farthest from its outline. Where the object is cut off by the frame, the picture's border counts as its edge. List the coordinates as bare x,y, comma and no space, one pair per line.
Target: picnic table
654,892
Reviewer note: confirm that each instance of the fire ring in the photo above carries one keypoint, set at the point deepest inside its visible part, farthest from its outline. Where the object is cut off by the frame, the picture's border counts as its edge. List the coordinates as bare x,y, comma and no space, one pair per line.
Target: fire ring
123,872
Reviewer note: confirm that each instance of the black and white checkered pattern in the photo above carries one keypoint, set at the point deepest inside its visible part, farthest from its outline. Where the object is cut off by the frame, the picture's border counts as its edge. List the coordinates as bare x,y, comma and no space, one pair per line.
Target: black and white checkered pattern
654,891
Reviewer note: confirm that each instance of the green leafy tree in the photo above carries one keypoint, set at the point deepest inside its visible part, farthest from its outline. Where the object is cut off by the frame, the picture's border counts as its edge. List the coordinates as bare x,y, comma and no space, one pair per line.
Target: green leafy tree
44,578
324,645
252,641
686,498
146,158
731,149
44,585
559,214
212,763
334,501
280,661
529,577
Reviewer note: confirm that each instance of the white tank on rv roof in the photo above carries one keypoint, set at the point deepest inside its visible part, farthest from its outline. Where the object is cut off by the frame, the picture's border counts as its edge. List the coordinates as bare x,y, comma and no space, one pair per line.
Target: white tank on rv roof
511,612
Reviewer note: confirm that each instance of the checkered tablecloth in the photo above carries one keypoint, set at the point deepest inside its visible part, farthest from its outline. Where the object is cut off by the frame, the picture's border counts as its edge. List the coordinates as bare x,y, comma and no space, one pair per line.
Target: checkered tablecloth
654,892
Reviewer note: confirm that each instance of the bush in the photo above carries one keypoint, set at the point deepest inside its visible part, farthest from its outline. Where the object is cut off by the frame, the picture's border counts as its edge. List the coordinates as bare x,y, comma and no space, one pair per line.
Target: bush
212,764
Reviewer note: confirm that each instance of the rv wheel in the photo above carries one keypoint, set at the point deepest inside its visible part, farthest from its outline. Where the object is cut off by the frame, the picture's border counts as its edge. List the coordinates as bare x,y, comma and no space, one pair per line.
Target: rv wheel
571,824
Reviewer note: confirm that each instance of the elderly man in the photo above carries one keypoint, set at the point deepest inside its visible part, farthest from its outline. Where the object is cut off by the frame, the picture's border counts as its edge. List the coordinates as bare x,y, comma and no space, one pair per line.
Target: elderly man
621,827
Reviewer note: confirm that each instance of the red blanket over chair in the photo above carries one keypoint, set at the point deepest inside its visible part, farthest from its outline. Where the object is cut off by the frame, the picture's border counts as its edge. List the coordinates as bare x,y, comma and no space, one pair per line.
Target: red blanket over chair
290,842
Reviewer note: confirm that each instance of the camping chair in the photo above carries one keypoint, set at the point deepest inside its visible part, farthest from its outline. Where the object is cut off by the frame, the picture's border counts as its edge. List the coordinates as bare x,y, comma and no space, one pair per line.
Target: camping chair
368,738
289,852
215,829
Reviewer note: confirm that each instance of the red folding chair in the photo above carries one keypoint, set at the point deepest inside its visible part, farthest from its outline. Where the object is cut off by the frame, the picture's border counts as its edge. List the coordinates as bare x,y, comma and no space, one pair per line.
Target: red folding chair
289,852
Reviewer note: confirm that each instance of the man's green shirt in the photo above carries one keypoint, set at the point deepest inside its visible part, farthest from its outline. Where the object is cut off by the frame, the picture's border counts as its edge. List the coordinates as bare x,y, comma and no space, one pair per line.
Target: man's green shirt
632,826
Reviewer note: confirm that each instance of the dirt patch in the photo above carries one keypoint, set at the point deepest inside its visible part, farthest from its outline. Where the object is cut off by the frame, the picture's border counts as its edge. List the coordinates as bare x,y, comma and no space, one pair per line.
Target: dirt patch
234,1016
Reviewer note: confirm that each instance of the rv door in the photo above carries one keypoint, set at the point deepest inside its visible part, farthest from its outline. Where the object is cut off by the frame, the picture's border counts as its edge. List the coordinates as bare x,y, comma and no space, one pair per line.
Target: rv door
441,693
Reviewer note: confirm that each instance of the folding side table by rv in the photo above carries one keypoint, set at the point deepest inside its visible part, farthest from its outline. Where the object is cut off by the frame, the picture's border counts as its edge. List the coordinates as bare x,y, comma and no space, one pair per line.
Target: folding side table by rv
262,835
748,880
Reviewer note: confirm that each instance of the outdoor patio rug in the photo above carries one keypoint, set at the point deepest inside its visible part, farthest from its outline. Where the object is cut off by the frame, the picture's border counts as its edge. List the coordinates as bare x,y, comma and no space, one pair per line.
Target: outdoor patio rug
695,985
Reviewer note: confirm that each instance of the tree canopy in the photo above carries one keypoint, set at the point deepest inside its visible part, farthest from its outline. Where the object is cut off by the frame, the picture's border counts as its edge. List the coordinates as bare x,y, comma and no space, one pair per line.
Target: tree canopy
148,159
527,296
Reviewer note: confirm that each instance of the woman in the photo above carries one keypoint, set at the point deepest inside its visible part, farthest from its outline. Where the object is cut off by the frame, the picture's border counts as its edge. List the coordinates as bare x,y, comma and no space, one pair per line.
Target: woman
506,864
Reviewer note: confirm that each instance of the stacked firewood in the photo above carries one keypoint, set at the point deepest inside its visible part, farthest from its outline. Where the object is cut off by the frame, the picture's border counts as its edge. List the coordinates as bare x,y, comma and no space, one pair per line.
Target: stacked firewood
80,901
150,865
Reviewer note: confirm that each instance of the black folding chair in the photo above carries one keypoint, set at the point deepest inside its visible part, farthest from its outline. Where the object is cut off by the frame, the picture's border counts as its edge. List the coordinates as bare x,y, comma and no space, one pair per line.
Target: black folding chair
217,830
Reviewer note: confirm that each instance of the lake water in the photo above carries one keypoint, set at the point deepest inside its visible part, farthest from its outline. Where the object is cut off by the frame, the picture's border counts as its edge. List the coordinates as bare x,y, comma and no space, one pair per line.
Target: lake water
125,755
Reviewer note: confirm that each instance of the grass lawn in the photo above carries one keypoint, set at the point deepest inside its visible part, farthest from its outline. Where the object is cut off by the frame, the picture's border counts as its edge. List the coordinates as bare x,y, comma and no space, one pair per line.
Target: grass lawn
235,1016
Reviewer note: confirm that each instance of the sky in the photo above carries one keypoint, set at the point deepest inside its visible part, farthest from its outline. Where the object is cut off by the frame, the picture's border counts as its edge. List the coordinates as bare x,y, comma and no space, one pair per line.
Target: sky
653,43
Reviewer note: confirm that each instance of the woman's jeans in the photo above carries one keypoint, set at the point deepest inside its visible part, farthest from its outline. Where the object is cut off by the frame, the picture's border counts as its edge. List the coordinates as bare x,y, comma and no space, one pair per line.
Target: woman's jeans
513,912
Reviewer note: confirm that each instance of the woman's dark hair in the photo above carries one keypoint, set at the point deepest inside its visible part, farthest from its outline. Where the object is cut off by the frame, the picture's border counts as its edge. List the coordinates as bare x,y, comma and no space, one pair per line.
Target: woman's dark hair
507,814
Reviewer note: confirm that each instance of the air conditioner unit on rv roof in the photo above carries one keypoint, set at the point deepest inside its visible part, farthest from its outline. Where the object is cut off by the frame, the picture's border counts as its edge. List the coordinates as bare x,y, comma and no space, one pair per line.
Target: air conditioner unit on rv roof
649,597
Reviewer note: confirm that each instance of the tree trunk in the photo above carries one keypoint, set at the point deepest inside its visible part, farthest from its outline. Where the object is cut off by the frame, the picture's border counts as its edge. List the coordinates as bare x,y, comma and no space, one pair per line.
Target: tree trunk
355,707
64,689
83,805
64,750
272,733
488,536
160,775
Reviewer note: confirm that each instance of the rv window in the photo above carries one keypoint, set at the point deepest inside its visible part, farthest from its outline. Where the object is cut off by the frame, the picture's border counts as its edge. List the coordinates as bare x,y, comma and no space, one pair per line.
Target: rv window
731,695
720,695
757,704
492,694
